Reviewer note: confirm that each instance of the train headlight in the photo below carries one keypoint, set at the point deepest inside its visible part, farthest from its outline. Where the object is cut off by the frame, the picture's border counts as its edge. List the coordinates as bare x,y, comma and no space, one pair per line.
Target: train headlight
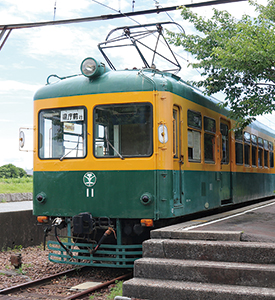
88,67
92,68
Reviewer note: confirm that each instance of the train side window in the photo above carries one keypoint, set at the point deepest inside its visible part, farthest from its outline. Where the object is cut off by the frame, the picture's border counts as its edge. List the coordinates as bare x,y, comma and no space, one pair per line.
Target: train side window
260,152
194,119
254,150
271,155
194,136
239,147
194,145
209,140
266,153
247,139
225,143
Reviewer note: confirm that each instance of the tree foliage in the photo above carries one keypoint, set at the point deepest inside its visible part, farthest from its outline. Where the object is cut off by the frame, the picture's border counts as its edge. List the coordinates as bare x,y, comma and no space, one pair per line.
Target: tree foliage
237,58
11,171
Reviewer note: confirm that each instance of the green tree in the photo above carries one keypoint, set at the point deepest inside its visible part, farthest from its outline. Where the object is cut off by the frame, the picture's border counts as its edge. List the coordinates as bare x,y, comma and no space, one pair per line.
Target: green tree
11,171
236,57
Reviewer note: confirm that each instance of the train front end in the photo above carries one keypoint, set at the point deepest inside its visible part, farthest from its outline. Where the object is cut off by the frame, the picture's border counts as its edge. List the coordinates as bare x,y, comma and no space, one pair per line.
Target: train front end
94,166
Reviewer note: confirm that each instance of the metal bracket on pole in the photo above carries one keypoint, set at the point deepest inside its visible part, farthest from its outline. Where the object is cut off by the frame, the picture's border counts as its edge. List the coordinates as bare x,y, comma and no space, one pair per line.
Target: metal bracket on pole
5,38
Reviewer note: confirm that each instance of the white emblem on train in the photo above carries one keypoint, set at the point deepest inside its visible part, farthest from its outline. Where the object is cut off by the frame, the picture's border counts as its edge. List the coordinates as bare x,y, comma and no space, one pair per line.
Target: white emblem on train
89,179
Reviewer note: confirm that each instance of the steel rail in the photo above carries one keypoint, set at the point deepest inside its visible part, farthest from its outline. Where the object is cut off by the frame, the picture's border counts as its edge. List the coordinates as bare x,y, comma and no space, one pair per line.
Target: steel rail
99,286
25,285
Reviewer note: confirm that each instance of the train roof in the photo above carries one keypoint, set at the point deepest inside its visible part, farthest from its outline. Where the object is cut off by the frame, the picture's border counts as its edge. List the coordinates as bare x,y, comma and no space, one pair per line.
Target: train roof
134,81
126,81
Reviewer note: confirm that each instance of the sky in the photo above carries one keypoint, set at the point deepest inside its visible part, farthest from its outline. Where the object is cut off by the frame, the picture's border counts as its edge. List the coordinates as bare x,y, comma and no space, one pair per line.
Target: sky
29,56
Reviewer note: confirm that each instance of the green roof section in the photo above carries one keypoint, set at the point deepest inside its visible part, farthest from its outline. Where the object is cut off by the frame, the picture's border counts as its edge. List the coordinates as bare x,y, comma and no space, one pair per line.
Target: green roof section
126,81
134,81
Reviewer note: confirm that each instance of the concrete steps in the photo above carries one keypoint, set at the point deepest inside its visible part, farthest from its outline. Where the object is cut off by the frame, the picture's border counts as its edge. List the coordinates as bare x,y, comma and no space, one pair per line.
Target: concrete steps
247,252
206,272
174,290
203,269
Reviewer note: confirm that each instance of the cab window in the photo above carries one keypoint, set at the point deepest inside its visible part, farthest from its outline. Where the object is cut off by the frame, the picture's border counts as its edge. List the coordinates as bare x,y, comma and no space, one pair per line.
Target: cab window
62,133
123,130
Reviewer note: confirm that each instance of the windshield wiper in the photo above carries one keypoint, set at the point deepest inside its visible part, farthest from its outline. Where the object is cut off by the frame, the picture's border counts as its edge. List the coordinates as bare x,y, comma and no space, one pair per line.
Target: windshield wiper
62,157
106,138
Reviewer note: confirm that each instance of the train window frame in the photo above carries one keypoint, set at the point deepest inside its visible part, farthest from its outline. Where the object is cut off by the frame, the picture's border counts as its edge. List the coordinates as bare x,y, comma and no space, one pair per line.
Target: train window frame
239,153
247,146
271,155
206,120
176,119
266,154
209,134
260,152
194,145
225,140
67,129
239,136
254,143
195,114
115,144
194,135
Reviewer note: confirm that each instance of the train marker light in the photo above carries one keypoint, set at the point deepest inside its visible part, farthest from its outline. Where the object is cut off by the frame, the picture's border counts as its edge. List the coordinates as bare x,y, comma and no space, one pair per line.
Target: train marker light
42,219
147,222
92,68
41,197
146,198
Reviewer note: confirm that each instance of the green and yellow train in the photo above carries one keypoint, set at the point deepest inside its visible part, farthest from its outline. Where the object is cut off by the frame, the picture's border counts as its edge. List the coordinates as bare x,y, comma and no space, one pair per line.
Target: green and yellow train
118,153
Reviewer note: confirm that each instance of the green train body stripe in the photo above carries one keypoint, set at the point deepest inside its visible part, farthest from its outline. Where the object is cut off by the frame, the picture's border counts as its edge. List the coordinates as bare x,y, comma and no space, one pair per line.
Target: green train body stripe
118,194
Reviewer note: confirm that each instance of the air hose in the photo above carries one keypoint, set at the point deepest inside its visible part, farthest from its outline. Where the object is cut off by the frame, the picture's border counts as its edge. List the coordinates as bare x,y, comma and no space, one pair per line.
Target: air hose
106,233
60,243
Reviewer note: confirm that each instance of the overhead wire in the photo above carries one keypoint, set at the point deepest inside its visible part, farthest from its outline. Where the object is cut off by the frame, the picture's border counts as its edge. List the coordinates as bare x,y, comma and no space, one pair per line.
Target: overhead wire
118,11
54,11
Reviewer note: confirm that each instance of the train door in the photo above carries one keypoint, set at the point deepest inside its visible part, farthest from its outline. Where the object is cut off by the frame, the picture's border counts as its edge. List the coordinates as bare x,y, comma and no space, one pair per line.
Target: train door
177,157
225,175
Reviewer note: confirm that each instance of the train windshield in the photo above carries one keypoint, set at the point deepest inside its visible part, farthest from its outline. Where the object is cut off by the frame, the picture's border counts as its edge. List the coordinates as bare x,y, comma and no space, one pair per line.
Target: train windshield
62,133
124,130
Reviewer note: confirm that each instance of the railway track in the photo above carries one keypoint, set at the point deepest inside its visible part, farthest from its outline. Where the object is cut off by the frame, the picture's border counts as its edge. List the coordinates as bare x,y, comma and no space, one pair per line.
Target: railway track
51,287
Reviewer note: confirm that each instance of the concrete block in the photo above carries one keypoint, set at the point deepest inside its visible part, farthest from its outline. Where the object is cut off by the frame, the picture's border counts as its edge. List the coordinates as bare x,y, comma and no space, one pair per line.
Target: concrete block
207,235
19,229
206,272
247,252
15,197
153,248
174,290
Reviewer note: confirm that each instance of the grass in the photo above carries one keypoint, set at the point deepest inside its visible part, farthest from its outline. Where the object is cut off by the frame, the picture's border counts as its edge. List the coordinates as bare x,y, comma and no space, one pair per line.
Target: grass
16,185
114,291
23,269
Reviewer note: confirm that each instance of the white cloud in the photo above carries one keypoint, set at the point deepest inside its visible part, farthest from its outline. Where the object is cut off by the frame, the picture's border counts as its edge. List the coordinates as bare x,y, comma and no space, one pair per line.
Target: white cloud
5,120
12,85
65,41
18,11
